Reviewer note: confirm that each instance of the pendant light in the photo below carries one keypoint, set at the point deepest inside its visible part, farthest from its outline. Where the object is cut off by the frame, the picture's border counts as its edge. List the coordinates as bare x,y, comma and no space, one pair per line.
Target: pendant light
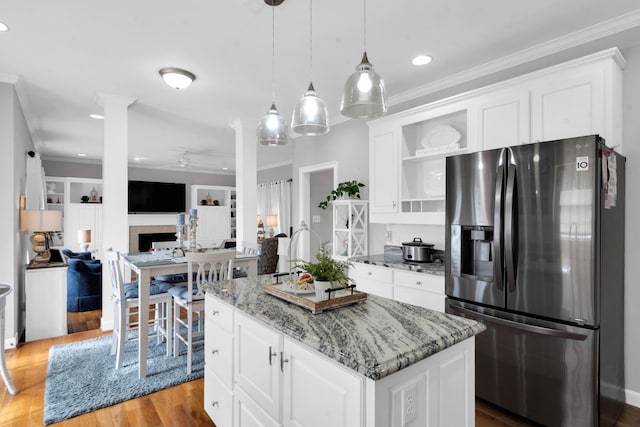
311,116
272,129
364,93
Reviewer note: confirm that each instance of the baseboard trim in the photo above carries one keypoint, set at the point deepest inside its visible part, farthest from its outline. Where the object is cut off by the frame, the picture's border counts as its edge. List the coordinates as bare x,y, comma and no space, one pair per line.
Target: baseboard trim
632,398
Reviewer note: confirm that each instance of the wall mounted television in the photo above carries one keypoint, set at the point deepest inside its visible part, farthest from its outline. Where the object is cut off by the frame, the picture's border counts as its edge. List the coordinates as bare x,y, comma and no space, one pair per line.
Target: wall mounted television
156,197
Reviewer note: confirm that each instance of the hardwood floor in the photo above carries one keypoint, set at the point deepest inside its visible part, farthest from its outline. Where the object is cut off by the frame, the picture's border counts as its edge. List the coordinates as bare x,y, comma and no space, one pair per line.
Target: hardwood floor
175,406
83,321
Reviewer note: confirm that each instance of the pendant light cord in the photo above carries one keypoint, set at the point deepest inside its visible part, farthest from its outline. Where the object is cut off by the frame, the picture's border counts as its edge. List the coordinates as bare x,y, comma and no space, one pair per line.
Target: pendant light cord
310,40
364,24
273,53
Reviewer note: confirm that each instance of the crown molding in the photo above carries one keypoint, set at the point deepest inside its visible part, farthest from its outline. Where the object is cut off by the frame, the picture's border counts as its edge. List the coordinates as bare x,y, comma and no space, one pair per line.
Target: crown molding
577,38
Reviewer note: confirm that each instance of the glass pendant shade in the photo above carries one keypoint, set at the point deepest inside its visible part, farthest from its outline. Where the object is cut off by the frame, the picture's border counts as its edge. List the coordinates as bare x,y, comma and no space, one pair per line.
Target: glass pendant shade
364,93
272,129
311,116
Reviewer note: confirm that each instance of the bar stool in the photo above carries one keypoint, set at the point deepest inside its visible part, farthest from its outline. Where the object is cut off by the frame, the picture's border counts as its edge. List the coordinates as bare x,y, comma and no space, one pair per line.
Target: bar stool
4,291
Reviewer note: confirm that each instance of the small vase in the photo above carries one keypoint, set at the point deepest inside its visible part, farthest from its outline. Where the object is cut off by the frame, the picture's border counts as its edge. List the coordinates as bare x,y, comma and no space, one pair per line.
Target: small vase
320,287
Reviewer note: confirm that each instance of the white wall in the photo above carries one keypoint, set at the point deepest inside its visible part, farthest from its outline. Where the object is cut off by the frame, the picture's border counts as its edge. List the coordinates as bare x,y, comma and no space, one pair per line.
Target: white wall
320,185
15,141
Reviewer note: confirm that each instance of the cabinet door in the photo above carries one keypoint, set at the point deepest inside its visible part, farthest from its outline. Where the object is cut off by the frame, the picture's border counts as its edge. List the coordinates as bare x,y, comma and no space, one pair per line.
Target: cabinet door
248,413
318,392
218,399
257,363
420,298
568,104
214,225
503,118
46,303
384,164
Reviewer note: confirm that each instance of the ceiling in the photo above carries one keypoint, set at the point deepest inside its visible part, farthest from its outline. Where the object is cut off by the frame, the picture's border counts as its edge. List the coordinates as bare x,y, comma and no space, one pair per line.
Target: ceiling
62,54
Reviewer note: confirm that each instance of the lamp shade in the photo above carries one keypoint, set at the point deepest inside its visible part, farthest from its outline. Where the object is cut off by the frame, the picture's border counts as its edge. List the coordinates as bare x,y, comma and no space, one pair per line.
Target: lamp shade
364,93
272,129
272,220
84,236
40,220
311,116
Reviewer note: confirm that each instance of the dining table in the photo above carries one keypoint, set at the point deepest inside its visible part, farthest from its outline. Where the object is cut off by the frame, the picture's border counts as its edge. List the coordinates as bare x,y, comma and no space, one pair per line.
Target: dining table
150,264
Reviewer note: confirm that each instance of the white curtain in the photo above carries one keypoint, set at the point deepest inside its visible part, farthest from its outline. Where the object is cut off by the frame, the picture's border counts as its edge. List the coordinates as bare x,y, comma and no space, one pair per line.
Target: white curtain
274,198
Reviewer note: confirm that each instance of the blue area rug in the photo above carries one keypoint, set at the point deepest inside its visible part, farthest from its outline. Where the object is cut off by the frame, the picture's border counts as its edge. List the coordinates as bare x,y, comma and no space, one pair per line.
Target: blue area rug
81,376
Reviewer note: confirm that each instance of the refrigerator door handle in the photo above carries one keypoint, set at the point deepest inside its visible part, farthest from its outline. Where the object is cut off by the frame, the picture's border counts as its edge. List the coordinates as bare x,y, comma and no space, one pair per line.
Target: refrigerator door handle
497,223
509,237
517,325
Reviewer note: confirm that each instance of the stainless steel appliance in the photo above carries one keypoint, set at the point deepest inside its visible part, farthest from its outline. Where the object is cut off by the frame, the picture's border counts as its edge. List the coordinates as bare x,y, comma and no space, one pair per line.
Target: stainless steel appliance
535,250
417,251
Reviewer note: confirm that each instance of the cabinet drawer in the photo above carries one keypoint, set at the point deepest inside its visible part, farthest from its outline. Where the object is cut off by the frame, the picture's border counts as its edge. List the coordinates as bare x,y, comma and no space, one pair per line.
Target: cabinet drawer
373,287
418,297
218,400
219,312
421,281
370,272
218,352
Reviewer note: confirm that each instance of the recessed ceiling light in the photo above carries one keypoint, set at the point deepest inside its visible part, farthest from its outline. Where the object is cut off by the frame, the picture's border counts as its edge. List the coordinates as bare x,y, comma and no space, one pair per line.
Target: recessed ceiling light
137,158
3,27
421,60
96,116
225,169
82,155
177,78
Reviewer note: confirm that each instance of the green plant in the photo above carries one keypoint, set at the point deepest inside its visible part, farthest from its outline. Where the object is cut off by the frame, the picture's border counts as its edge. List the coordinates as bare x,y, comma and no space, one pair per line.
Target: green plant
326,268
350,189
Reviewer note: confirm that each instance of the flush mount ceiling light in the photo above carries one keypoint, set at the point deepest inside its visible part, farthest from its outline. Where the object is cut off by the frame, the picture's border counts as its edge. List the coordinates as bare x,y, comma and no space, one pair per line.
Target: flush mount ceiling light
177,78
3,27
364,93
421,60
272,129
96,116
311,116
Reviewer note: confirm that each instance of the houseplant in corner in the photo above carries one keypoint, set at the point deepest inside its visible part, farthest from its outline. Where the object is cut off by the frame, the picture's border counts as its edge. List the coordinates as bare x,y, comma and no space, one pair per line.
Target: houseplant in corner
348,189
326,272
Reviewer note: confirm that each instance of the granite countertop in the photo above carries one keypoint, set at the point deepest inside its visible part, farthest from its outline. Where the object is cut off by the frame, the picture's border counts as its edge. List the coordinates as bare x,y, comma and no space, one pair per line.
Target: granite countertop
392,258
375,338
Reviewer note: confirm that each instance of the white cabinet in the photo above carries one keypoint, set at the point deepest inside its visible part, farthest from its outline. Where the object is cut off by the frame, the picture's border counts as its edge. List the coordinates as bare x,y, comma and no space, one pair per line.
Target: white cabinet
503,118
216,213
46,302
407,162
407,150
425,290
80,200
258,354
421,289
372,280
317,392
218,350
350,228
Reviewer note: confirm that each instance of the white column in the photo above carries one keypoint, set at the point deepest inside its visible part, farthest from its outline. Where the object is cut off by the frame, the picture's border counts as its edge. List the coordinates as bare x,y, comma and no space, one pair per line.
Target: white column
246,181
115,182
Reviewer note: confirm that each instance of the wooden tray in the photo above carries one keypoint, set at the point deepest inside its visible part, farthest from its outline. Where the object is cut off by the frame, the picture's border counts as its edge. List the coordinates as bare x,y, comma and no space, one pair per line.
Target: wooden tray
309,301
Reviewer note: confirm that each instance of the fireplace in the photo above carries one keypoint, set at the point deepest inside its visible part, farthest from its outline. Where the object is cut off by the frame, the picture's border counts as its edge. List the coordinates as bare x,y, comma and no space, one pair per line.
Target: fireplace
163,232
145,240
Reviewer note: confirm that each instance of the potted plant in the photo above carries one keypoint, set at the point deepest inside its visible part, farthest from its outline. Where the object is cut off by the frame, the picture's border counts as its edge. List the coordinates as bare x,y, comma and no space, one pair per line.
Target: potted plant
350,189
326,272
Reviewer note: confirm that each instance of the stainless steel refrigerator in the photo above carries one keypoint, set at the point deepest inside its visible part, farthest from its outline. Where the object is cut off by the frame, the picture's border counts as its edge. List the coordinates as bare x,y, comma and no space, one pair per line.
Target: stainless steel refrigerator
535,250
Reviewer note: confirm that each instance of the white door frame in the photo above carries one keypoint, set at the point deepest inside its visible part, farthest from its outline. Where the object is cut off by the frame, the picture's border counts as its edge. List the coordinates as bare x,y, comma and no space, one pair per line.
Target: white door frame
304,200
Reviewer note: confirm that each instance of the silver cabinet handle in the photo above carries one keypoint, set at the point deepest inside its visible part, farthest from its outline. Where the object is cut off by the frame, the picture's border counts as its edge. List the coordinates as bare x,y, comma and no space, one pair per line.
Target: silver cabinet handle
369,273
214,312
419,283
214,351
282,361
394,204
215,403
272,354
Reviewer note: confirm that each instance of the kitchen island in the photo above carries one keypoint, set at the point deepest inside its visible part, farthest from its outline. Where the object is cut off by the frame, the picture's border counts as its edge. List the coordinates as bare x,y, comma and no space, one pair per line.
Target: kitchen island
376,363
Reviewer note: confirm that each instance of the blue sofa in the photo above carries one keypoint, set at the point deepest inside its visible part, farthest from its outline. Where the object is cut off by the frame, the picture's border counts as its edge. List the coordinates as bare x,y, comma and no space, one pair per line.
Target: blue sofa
84,282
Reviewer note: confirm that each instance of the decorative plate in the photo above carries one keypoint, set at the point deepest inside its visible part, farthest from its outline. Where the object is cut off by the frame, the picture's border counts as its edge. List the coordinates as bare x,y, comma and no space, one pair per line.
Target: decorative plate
441,136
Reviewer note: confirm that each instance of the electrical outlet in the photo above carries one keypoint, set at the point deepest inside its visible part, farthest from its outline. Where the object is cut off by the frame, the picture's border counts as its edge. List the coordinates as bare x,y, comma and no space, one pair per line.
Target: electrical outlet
409,405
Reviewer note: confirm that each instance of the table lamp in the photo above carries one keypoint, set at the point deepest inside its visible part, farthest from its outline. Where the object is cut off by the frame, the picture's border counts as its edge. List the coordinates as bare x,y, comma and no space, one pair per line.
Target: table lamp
40,222
84,238
260,224
272,221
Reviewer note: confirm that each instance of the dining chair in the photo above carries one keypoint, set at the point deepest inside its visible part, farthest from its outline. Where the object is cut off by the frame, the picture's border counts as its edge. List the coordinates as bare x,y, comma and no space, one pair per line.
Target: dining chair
125,300
250,248
203,267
